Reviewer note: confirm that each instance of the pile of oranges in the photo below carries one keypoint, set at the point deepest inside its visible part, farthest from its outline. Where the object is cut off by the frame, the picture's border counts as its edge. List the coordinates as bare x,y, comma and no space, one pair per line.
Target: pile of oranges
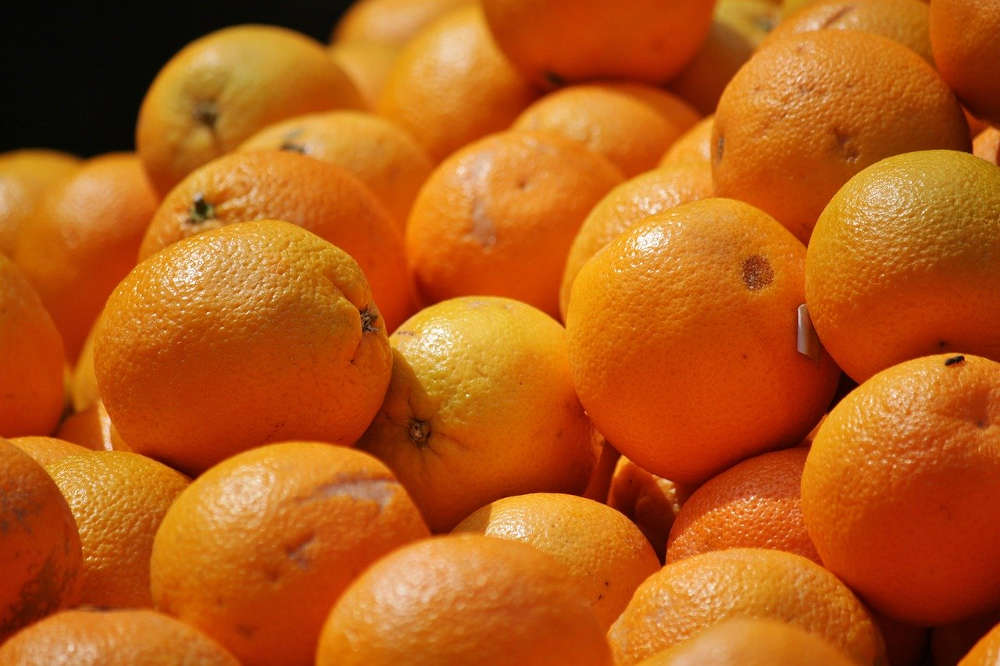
518,332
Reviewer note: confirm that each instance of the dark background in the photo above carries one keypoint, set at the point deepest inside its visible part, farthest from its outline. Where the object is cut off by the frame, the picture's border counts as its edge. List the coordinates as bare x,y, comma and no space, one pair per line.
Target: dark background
72,76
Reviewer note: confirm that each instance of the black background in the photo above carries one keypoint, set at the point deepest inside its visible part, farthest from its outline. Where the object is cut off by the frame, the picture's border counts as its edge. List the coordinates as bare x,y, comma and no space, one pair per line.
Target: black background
72,76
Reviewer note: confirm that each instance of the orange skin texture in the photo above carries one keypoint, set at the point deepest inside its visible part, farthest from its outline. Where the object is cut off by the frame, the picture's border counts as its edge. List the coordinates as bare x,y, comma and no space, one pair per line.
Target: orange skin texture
112,637
659,392
248,334
966,50
689,596
47,450
31,358
754,504
24,175
604,553
737,29
904,21
649,501
480,391
223,87
118,500
498,217
92,428
557,41
913,535
463,599
40,549
259,547
811,110
83,239
367,64
450,84
628,123
389,22
987,145
695,145
381,155
315,195
751,642
627,205
893,277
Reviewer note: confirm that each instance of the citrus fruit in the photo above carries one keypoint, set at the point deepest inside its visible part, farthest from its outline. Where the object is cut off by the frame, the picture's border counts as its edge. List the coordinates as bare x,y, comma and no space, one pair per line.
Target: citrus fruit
92,429
987,145
649,501
391,22
47,450
695,145
367,64
24,175
966,50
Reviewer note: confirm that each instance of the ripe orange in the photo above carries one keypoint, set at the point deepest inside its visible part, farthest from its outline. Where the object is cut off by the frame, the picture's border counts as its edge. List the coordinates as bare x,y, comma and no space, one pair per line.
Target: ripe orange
656,391
24,175
82,385
100,637
629,123
599,484
912,533
315,195
689,596
248,334
987,145
83,239
258,548
223,87
695,145
390,22
47,450
92,428
31,358
118,500
754,504
498,217
555,41
40,548
463,599
367,64
903,21
450,84
480,407
950,642
649,501
602,551
380,154
904,262
751,642
626,206
966,50
813,109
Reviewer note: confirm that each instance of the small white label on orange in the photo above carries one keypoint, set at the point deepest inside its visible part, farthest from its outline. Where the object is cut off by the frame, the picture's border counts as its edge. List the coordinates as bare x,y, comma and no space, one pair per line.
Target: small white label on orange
806,341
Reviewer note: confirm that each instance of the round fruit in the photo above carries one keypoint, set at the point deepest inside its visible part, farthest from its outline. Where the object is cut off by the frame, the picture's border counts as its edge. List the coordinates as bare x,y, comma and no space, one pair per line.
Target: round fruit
24,175
695,145
47,450
966,50
391,22
649,501
367,64
987,145
985,652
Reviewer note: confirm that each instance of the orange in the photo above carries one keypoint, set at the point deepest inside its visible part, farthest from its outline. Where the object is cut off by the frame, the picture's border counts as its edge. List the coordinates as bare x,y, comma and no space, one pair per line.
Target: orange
315,195
82,386
951,642
811,110
555,41
47,450
463,599
248,334
24,175
904,21
367,64
738,27
258,548
602,551
31,358
223,87
689,596
450,84
751,642
629,123
95,637
480,407
911,535
695,145
987,145
390,22
649,501
92,428
754,504
83,239
629,204
689,315
40,548
966,50
498,217
986,652
905,261
599,484
381,155
118,500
